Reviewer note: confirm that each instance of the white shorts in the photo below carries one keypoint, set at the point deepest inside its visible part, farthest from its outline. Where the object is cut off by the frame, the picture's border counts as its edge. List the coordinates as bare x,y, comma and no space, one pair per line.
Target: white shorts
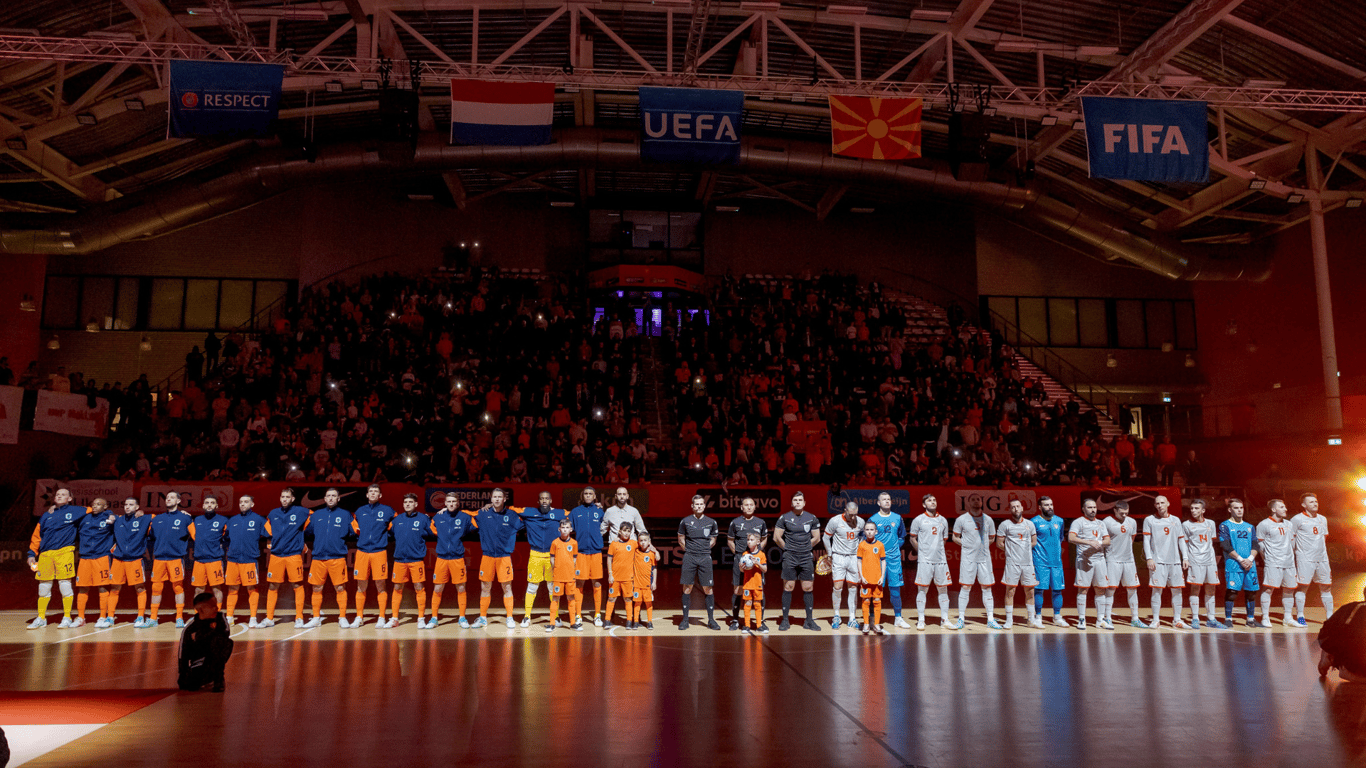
1204,574
1122,574
1016,575
1165,575
932,573
1314,573
1277,577
976,573
845,568
1093,573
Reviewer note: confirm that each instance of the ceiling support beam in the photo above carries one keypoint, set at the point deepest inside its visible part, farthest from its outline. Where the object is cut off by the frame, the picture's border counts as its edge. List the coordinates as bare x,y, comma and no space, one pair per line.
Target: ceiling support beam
829,200
964,18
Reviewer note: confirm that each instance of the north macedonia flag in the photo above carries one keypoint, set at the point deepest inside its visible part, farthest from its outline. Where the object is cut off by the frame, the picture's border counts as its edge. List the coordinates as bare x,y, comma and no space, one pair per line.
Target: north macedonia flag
875,129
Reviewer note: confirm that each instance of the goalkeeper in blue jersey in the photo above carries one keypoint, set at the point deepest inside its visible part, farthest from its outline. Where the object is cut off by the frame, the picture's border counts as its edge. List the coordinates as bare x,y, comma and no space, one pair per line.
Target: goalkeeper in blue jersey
1238,539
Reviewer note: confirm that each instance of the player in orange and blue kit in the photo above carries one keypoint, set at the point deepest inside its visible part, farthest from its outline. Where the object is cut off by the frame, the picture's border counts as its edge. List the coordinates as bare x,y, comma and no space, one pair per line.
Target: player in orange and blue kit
52,554
209,532
412,531
643,574
170,535
328,529
872,558
449,525
542,526
372,558
621,569
564,572
285,525
752,586
97,539
498,525
245,531
130,546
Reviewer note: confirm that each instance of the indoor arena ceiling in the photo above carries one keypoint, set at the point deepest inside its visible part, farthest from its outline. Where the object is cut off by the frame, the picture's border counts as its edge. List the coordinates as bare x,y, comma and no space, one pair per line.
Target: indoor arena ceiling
1262,64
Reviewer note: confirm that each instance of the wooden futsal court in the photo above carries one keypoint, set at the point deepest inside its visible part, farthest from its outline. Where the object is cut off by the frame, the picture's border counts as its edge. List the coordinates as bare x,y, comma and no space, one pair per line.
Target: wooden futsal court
504,697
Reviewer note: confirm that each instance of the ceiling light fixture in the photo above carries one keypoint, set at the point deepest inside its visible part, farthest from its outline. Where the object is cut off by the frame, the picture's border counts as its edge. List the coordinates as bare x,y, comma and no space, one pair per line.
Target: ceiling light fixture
1257,184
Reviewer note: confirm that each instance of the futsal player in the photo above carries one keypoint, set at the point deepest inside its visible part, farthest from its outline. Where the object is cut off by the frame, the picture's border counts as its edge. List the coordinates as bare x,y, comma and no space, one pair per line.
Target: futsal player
754,585
125,565
372,558
542,526
928,532
1090,538
974,532
245,531
208,532
329,528
1311,557
737,538
92,570
285,525
1164,547
1203,573
170,535
1238,538
696,537
412,530
1017,537
647,558
1119,561
588,529
450,525
52,554
564,555
620,570
872,557
841,539
1047,556
498,525
792,534
1277,536
891,531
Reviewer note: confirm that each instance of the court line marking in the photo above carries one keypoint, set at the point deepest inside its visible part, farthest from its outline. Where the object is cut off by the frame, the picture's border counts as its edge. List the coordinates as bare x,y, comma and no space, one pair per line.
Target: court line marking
88,634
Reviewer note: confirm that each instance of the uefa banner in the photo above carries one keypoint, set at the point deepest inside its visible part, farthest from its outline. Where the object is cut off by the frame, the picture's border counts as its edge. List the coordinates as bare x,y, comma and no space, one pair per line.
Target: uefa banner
1147,139
691,125
11,402
224,98
70,414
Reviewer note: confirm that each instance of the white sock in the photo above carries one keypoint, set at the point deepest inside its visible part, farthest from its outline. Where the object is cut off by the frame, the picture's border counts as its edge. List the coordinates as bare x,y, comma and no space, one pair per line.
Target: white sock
1010,613
1301,597
944,603
988,602
853,603
836,597
1209,603
1288,603
1133,601
1326,595
1029,608
1177,602
1266,605
1157,605
1195,606
920,603
1081,606
1103,607
963,595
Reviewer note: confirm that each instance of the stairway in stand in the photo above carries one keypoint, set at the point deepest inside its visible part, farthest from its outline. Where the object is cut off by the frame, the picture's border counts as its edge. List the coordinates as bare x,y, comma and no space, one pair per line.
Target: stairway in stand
1028,370
658,418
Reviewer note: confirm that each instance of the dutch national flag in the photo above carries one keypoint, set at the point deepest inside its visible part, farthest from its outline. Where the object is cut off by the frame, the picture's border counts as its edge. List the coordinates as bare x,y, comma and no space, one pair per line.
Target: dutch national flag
510,114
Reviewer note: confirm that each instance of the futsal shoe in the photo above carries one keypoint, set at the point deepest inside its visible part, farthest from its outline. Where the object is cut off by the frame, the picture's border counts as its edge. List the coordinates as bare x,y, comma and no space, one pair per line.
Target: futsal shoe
1287,622
811,625
1216,624
101,622
1010,622
391,623
648,624
734,625
253,623
480,623
149,623
1038,623
299,623
179,623
577,626
920,625
344,622
230,620
1195,623
866,630
266,623
1081,625
37,623
77,623
784,625
713,626
855,624
597,620
1105,624
313,623
1180,624
957,624
1059,621
66,623
1138,623
512,623
992,624
835,624
763,628
682,625
901,623
464,623
1300,622
1265,624
526,622
745,631
551,627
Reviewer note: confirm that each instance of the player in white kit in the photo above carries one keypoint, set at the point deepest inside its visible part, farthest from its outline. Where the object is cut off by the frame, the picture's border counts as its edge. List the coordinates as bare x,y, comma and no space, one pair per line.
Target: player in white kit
841,541
1164,546
1017,537
927,534
1277,537
1119,560
1311,557
1203,572
1090,537
974,532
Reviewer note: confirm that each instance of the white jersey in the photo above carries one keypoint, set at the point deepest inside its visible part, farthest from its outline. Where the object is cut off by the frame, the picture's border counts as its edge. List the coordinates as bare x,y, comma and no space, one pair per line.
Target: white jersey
1089,529
1311,535
1200,542
841,537
976,537
1164,540
1277,542
1121,549
1019,538
930,533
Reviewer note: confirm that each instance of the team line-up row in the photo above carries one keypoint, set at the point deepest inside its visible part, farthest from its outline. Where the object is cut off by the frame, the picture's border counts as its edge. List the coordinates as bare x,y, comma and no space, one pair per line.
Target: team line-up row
568,549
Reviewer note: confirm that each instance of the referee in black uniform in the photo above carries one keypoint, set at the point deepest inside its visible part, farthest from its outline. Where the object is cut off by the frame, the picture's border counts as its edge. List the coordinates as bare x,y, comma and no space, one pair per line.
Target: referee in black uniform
696,536
738,538
794,534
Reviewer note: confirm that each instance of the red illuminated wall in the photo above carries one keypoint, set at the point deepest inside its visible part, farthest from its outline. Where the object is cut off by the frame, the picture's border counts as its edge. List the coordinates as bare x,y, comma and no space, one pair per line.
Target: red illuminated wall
19,331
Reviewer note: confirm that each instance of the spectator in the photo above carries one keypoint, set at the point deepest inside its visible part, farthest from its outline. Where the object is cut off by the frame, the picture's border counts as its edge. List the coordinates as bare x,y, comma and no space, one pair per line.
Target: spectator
205,647
1343,643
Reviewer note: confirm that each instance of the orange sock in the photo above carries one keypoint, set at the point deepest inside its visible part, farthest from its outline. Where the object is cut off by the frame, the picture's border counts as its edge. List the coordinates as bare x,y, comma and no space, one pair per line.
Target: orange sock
82,600
232,602
635,607
554,609
104,605
142,603
398,600
253,601
597,598
436,604
298,601
272,597
157,589
318,601
421,603
179,591
484,601
611,604
383,597
342,600
460,598
507,604
360,603
867,606
877,612
650,612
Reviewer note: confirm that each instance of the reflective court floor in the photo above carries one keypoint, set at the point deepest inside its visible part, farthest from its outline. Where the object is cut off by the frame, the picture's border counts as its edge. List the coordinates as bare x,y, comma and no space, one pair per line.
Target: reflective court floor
616,698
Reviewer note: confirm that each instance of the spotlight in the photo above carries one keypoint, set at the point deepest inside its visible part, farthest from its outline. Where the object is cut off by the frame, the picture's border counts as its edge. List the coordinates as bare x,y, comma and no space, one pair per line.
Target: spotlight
134,104
369,85
1294,198
145,345
1049,120
333,86
1361,482
1354,202
1257,184
54,343
989,111
1166,398
86,118
1335,441
18,144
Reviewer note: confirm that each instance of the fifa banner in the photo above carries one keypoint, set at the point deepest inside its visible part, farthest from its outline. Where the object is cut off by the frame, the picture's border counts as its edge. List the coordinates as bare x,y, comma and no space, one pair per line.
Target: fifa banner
691,125
70,414
217,98
11,401
82,492
1147,139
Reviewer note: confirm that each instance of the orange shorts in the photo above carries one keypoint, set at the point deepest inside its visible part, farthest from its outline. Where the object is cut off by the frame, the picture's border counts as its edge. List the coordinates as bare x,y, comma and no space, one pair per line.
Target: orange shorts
562,588
282,569
167,570
622,588
371,565
643,595
126,572
500,567
414,572
93,572
207,574
753,595
238,574
871,592
321,570
450,572
590,566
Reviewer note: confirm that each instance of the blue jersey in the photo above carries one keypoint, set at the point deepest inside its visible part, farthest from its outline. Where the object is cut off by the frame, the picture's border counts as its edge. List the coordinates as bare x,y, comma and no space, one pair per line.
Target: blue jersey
329,528
1237,538
891,531
411,533
210,537
372,527
286,530
542,527
97,536
171,535
1048,550
587,522
244,537
450,528
130,537
57,529
497,532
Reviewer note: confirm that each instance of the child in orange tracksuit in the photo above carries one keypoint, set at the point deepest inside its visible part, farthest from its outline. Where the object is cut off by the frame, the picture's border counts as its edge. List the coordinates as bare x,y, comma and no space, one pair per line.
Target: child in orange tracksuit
752,588
646,559
564,571
872,557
